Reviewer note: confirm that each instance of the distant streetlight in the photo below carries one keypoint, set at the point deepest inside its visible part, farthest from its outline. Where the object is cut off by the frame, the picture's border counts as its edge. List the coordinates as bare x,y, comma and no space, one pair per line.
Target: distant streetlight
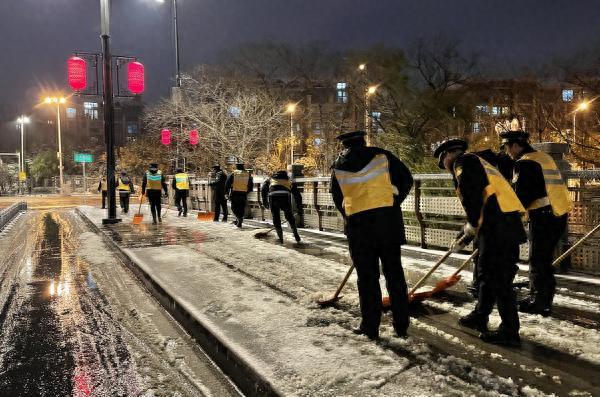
368,93
362,67
582,106
58,101
22,121
291,108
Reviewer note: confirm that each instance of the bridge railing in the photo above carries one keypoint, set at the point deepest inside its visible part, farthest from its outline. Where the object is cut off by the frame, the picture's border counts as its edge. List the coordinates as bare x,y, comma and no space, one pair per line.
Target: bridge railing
432,212
7,214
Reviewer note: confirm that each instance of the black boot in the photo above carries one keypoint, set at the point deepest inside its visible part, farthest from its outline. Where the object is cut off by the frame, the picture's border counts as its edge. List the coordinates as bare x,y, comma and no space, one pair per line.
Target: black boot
370,335
501,338
534,306
474,321
279,235
296,235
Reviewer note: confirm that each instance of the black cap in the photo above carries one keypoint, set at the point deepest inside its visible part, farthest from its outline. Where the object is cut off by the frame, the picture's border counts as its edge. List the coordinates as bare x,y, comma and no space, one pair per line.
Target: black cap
350,135
513,136
239,166
123,172
178,170
216,167
447,146
281,174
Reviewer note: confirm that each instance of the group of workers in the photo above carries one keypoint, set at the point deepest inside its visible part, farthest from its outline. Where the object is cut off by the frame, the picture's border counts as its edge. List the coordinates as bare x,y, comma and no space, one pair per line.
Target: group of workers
498,191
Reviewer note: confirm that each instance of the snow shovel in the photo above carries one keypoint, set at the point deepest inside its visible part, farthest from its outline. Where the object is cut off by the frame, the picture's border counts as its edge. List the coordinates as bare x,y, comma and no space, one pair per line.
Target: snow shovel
577,244
336,297
264,234
206,216
139,217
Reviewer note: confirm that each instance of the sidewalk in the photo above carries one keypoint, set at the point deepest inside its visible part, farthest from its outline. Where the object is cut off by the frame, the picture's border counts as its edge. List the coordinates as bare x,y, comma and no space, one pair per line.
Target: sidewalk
250,304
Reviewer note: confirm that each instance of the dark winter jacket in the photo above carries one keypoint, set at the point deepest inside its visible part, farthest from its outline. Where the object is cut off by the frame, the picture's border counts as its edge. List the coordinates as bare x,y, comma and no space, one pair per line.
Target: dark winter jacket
270,192
217,182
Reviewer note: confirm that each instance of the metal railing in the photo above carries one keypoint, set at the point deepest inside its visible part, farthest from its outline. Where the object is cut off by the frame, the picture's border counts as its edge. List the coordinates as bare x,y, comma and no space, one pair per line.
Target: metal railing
432,212
7,214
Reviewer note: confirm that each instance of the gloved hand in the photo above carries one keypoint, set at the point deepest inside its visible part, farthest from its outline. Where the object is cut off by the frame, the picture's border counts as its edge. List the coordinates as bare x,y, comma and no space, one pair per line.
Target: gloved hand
458,245
469,231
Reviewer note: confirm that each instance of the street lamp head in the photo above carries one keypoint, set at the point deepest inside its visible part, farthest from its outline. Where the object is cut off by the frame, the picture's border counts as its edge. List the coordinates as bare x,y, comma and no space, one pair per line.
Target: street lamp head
291,108
23,120
583,106
62,100
372,89
362,67
48,100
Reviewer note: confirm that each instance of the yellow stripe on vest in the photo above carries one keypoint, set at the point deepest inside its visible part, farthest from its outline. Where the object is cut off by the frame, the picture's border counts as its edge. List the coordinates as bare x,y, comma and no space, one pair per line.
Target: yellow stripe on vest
153,181
182,181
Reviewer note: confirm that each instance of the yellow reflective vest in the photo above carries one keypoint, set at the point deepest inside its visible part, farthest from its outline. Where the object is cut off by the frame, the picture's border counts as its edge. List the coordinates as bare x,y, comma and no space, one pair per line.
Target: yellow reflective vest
182,181
123,186
368,188
499,187
240,181
103,185
556,189
286,183
153,181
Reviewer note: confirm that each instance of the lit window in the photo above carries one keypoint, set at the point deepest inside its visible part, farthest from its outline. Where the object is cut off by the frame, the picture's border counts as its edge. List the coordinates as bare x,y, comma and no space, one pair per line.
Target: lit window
476,128
496,110
481,108
505,110
567,95
132,129
376,116
318,141
317,128
90,110
71,113
234,112
342,93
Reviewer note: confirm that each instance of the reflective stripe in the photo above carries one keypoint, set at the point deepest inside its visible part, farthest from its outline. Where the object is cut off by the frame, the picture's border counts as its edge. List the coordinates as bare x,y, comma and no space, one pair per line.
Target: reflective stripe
275,192
285,183
153,181
181,181
539,203
346,180
374,163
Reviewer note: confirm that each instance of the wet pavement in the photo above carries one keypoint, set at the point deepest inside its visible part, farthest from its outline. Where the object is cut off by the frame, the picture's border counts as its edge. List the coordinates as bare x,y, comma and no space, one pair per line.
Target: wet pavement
71,327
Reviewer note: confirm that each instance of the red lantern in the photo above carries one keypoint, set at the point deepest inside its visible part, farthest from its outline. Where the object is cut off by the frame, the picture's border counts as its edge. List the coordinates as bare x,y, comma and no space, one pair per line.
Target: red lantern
193,137
165,136
135,77
77,73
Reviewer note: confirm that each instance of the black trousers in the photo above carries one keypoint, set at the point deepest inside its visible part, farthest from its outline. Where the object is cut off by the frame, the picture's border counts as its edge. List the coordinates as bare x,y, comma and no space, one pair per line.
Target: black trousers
181,200
220,204
238,206
280,203
366,254
496,269
104,195
154,200
124,201
545,233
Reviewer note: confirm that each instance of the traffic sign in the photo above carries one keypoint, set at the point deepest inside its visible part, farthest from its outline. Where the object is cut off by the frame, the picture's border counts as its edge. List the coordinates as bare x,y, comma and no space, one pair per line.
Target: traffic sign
83,157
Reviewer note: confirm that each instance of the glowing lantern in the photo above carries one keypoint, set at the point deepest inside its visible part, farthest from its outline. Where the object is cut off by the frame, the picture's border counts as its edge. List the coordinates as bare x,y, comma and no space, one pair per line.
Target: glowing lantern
135,77
77,73
193,137
165,136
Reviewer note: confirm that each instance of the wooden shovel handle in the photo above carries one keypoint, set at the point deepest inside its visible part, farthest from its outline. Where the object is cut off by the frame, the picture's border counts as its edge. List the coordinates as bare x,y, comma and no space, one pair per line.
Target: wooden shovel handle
577,244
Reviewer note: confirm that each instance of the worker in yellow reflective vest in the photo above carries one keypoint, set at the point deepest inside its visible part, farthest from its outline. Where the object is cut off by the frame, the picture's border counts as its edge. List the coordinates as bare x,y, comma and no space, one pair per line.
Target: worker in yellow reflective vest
103,187
125,189
152,184
493,217
181,186
237,186
368,185
542,190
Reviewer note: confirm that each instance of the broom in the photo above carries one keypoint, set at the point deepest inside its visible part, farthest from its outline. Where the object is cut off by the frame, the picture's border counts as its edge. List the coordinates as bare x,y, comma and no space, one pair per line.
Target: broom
264,234
139,217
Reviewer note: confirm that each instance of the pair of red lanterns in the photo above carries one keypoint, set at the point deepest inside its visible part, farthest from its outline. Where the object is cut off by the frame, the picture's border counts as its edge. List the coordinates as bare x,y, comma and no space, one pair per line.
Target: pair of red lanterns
165,137
77,75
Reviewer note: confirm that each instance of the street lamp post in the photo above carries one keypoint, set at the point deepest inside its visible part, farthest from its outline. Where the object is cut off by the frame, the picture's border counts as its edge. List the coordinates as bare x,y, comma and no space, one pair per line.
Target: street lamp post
582,106
368,92
291,108
109,130
22,121
58,101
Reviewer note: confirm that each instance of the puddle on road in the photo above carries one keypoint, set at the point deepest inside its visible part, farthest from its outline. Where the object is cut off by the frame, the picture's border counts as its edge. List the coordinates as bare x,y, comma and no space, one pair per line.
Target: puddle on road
148,235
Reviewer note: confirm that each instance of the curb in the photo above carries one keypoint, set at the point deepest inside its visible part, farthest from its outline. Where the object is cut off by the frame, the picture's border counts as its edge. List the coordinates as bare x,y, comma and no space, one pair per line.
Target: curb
243,375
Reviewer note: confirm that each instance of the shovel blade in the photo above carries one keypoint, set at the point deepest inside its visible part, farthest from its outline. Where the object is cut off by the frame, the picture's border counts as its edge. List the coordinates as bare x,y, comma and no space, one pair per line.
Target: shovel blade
205,216
328,302
137,219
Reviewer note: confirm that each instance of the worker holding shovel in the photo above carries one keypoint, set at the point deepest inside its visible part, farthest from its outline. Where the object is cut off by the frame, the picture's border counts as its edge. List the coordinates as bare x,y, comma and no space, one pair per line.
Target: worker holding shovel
494,217
368,185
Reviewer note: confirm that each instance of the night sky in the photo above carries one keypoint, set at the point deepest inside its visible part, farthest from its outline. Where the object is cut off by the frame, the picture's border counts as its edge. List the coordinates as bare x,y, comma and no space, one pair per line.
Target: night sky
39,35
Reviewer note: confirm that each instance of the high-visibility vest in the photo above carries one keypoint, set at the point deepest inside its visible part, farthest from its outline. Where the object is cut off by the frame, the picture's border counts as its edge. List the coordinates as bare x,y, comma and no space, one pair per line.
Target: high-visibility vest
153,181
123,186
286,184
368,188
181,181
240,181
557,194
103,185
498,186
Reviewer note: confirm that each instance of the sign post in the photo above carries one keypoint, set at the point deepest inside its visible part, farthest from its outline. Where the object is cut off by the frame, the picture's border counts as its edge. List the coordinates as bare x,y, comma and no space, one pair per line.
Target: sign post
83,158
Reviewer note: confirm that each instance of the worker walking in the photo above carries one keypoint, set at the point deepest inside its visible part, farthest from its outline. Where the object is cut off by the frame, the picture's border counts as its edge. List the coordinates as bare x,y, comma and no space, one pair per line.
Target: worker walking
237,186
181,186
494,218
368,185
103,187
152,184
542,190
277,193
125,188
217,180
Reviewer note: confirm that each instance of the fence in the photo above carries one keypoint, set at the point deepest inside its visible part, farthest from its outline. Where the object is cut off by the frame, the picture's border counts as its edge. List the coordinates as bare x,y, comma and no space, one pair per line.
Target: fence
432,212
7,214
